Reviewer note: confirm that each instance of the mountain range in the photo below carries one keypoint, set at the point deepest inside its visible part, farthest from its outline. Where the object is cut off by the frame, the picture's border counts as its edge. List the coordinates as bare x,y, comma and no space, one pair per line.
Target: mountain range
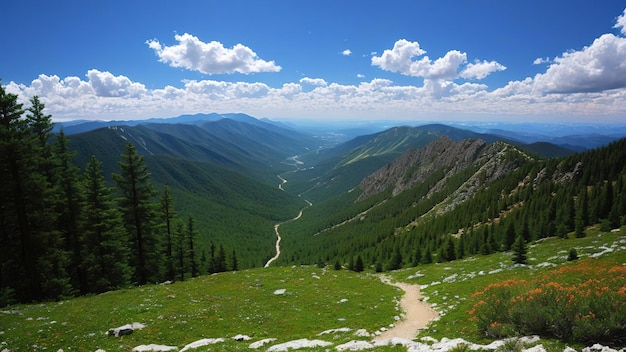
366,189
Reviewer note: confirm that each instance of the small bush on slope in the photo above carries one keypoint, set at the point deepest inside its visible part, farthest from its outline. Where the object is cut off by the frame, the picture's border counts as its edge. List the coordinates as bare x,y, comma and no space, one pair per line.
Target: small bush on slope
585,302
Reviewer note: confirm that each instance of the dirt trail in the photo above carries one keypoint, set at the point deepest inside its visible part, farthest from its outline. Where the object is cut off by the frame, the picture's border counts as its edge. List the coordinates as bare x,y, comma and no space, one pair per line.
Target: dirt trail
417,314
276,226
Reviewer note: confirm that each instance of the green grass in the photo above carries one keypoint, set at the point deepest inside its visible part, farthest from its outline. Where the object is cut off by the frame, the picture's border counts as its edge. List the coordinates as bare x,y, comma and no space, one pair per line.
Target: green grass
449,286
221,305
315,300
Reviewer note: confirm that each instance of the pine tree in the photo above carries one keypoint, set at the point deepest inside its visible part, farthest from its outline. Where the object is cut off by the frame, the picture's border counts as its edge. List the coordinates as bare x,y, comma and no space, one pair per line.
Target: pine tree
220,260
168,214
418,257
519,251
395,262
133,182
509,236
191,235
69,208
179,250
212,259
105,249
428,256
235,263
358,265
32,258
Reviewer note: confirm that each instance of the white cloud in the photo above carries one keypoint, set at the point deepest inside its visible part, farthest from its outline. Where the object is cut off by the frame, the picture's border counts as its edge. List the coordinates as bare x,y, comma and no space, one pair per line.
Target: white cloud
480,70
105,84
437,74
400,58
579,85
346,52
596,68
360,75
621,23
210,58
320,82
542,60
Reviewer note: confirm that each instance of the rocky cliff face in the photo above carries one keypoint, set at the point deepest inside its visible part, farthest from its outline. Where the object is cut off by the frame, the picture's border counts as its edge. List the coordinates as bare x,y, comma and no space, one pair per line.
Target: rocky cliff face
417,165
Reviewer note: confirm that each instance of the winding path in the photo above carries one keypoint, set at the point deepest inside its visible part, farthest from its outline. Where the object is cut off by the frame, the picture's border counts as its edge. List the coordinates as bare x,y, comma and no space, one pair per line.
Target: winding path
276,226
417,313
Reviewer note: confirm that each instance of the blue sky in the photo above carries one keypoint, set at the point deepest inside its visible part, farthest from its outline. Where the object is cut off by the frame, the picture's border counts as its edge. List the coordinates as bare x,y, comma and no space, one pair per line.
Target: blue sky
512,61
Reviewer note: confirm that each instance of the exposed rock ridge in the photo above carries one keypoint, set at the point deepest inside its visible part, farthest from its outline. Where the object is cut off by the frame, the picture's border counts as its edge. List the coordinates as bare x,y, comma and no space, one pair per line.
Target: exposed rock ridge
416,165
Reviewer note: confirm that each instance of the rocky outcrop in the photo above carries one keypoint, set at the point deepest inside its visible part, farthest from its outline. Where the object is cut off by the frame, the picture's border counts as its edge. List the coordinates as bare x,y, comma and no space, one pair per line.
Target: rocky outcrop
416,165
447,157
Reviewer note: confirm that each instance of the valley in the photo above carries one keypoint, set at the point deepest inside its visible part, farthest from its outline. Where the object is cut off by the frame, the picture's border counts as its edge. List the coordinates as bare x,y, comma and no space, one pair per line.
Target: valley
443,213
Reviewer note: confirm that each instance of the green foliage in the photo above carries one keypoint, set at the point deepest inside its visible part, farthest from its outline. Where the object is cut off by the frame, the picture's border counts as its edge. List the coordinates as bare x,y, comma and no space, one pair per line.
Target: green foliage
583,303
573,254
519,251
105,250
138,211
220,305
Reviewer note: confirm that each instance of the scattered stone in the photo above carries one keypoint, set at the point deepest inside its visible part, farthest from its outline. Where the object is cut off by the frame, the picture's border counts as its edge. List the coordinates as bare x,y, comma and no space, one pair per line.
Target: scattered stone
297,344
241,337
333,331
200,343
362,333
280,291
354,345
261,343
599,348
343,300
538,348
125,329
154,348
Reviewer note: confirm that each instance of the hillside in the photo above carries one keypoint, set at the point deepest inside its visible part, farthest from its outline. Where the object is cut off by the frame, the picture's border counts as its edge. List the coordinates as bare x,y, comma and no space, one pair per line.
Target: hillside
467,196
337,309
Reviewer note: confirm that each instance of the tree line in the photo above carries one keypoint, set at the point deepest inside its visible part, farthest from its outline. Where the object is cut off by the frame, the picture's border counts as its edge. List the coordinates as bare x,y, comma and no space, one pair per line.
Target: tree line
64,232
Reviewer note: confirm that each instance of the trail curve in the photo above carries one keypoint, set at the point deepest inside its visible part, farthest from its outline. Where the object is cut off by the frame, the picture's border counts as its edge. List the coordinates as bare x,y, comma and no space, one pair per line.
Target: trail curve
276,226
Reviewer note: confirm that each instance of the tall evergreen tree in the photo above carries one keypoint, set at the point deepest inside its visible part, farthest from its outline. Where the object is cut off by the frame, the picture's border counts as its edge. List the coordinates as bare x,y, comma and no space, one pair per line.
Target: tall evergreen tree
581,218
519,251
235,262
105,248
220,260
69,209
395,262
133,182
509,236
191,235
358,265
31,253
168,214
179,250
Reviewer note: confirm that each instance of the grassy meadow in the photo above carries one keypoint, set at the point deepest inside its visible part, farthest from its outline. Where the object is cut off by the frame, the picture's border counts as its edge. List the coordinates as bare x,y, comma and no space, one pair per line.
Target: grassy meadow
289,303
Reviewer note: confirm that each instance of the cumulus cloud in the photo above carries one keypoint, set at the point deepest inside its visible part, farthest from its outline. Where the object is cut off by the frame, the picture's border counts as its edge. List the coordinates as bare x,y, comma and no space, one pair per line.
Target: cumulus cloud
621,23
438,75
596,68
480,70
581,83
319,82
346,52
210,58
104,95
542,60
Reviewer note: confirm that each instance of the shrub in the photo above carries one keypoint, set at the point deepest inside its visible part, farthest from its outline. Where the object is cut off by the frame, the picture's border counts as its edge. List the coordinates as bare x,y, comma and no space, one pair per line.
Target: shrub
573,255
579,303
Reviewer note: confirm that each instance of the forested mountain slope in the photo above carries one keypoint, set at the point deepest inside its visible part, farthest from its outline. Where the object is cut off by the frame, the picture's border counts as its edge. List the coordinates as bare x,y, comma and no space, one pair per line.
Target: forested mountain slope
331,171
448,200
